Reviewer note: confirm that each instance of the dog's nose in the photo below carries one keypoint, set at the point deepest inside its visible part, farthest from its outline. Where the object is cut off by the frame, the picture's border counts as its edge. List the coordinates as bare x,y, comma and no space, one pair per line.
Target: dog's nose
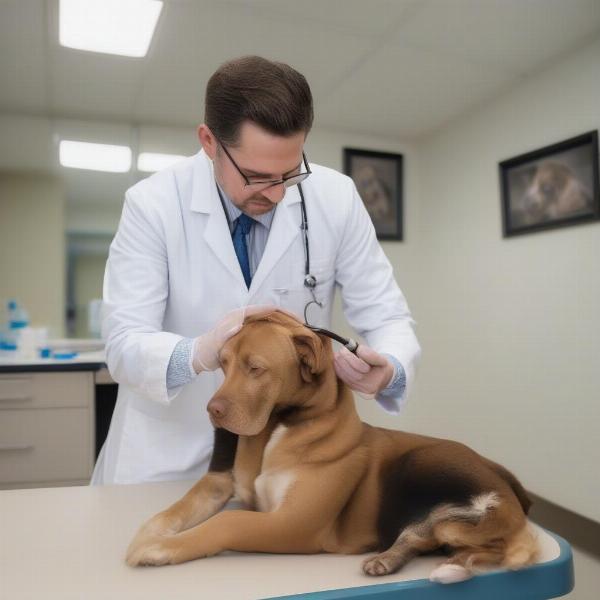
217,408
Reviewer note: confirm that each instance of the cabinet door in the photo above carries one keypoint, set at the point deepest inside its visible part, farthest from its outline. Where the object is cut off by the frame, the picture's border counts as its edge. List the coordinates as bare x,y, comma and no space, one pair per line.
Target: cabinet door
46,427
44,445
46,390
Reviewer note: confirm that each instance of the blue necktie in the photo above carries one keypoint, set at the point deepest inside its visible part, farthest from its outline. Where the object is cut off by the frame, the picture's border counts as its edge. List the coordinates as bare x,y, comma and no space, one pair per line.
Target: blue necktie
242,228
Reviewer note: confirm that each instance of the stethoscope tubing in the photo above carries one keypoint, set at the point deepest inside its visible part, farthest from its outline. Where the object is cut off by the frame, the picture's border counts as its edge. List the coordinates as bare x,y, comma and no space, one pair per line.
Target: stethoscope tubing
310,281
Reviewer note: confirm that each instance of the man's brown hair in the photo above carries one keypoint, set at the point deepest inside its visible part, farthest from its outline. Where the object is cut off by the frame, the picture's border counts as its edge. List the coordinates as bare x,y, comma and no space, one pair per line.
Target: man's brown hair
272,95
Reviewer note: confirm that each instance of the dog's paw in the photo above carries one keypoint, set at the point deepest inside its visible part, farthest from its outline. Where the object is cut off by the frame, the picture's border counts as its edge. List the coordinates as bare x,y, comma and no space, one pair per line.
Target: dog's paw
157,529
152,552
377,565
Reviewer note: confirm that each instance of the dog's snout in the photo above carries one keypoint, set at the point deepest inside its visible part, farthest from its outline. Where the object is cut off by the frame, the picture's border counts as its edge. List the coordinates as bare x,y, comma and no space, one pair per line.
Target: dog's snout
217,408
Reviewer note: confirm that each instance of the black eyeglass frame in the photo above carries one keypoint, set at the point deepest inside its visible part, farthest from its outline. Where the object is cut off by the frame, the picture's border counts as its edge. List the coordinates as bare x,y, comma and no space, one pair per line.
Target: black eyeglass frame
286,181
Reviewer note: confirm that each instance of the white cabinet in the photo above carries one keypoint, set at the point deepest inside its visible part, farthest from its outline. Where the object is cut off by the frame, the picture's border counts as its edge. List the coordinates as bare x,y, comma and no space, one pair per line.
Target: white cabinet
46,428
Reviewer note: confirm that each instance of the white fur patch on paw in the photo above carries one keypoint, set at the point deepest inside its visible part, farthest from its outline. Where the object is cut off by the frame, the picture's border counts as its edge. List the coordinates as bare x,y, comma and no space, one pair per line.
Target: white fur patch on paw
449,573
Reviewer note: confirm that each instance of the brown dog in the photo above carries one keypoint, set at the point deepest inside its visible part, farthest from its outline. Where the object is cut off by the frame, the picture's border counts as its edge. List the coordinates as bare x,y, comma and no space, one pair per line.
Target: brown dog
317,479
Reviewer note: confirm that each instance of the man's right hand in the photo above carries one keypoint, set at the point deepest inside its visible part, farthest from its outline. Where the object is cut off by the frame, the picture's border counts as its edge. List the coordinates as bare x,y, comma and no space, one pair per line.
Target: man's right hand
206,350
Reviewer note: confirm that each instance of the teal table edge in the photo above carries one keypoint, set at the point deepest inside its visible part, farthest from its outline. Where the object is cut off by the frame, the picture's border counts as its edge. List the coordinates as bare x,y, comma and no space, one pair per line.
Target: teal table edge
551,579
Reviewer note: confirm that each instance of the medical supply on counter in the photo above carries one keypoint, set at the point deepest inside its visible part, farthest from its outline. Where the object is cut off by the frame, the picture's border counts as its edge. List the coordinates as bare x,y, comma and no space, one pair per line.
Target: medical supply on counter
17,315
64,355
27,343
18,340
16,321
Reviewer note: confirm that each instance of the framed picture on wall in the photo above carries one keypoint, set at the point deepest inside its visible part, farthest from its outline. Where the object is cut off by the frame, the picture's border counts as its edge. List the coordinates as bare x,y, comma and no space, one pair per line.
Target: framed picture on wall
555,186
378,178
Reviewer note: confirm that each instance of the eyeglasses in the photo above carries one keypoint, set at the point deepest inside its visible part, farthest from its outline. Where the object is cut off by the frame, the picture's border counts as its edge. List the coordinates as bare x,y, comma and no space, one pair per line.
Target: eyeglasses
258,183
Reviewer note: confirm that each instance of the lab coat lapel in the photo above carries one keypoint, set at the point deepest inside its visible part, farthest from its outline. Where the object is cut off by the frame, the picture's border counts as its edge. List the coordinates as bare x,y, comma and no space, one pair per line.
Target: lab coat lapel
205,199
284,229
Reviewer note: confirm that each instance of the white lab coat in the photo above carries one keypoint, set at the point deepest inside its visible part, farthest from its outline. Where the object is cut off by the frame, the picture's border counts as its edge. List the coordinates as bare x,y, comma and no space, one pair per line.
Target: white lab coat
172,272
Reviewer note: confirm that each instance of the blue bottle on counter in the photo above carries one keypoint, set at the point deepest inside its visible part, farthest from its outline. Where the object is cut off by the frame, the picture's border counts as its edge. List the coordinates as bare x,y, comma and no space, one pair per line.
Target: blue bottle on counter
4,334
17,320
17,315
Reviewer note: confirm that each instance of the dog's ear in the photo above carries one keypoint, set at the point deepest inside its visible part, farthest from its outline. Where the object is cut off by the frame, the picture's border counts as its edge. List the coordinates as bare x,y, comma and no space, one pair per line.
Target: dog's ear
310,351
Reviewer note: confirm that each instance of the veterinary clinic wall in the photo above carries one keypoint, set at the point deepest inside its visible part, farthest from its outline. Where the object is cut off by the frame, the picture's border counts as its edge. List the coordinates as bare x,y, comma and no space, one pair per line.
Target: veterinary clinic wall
32,246
510,328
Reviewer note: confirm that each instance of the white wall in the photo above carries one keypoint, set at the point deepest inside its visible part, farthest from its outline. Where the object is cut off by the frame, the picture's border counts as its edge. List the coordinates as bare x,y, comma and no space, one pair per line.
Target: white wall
32,246
510,327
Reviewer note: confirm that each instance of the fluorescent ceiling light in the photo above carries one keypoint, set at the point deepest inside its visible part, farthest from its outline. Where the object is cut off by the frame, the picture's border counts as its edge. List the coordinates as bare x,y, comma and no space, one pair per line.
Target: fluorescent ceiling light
152,161
95,157
123,27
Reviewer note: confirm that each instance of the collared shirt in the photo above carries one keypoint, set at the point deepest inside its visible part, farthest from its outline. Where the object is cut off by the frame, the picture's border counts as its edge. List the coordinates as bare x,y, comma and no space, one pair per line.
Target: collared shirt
256,240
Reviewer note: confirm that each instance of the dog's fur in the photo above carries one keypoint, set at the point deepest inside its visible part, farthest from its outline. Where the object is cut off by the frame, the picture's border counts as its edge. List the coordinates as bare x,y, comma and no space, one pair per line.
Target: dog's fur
314,478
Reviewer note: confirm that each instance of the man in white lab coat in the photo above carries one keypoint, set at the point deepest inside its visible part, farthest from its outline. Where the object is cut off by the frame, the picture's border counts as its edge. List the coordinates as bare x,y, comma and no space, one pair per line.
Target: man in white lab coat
186,258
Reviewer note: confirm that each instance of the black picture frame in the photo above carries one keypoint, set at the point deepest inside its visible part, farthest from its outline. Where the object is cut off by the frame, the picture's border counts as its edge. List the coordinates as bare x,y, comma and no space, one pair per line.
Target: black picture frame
552,187
378,177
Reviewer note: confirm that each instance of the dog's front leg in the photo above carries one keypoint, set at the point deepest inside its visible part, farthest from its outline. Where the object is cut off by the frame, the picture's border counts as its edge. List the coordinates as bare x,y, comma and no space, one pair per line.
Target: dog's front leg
205,499
239,530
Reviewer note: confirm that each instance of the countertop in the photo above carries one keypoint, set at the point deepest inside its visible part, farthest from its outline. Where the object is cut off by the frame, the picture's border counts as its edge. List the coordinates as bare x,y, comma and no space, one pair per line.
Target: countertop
70,543
84,361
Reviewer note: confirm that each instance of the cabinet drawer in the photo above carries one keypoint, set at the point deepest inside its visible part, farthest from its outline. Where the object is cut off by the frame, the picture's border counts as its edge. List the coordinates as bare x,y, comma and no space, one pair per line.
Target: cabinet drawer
45,445
46,390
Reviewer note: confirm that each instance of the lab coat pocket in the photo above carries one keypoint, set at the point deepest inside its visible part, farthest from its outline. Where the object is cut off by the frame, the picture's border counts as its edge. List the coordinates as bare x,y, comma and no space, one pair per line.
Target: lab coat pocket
297,296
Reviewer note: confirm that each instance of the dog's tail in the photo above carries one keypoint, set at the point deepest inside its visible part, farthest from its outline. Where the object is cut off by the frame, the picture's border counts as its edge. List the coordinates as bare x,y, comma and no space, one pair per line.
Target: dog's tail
467,529
514,484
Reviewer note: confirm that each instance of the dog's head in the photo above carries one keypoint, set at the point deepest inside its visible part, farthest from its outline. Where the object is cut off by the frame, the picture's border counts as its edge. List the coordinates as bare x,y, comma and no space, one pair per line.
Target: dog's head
274,363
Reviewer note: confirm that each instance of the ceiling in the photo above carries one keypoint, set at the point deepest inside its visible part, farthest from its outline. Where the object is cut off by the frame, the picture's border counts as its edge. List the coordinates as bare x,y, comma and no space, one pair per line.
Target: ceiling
393,68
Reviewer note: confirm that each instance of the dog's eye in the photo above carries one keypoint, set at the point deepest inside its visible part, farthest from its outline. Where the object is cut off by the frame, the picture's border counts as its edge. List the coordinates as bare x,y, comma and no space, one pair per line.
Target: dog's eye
255,369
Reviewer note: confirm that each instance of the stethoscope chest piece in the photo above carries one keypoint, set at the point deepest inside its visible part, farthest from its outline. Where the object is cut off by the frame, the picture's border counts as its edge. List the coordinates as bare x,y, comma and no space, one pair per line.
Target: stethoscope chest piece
310,281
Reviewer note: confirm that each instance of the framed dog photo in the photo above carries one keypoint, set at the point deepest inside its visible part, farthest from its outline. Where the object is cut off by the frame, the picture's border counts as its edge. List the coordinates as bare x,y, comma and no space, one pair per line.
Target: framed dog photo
378,179
551,187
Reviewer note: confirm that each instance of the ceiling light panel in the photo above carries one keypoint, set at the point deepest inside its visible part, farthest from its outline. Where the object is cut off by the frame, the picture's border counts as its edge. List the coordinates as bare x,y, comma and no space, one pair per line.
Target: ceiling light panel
95,157
122,27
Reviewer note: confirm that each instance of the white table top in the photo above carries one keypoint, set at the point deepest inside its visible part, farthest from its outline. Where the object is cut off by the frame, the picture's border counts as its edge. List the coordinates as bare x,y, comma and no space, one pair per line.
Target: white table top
70,543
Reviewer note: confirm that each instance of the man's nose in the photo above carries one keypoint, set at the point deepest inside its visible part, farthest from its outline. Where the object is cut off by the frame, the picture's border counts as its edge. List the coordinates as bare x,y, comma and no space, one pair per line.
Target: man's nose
275,193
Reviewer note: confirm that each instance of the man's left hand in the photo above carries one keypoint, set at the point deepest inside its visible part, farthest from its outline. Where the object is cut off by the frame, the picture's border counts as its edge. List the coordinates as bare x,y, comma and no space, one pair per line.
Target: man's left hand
367,372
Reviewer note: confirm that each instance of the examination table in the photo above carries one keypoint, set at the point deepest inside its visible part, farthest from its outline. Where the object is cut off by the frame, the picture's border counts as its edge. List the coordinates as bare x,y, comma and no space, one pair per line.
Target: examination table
70,542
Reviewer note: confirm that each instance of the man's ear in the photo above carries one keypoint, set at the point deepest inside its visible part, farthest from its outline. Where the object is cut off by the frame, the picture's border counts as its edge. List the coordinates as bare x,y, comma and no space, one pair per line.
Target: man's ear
207,141
310,352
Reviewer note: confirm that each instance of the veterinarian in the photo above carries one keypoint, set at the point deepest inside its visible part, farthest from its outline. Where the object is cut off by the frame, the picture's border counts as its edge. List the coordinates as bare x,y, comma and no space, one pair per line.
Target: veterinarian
228,228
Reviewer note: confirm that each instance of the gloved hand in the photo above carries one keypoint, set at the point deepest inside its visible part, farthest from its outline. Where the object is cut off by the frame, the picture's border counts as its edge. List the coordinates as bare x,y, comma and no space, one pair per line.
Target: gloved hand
205,355
368,373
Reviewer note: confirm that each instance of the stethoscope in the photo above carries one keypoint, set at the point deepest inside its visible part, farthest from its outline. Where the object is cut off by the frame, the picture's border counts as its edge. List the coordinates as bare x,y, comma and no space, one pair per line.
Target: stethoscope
310,281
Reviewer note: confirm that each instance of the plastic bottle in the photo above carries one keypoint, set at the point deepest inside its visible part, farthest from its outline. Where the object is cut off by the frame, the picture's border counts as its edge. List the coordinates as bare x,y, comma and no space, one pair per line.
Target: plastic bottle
17,315
3,332
18,319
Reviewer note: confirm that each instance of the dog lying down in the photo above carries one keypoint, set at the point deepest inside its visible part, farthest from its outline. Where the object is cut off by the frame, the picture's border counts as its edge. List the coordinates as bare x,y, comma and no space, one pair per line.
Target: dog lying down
314,478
